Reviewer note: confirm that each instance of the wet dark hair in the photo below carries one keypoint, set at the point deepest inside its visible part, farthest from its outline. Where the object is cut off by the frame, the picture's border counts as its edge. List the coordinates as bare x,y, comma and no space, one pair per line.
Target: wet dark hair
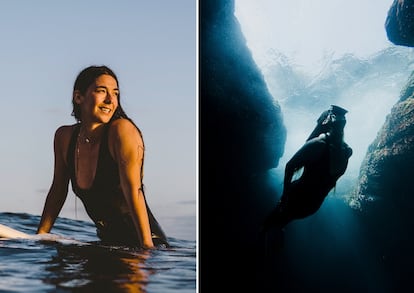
334,117
87,77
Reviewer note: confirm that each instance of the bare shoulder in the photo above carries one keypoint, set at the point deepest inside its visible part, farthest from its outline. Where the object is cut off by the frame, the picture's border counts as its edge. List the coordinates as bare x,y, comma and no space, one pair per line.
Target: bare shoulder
123,130
317,141
61,141
64,133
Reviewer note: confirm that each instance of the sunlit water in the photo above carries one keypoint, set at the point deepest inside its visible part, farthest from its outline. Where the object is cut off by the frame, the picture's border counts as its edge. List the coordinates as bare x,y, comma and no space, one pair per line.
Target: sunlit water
39,266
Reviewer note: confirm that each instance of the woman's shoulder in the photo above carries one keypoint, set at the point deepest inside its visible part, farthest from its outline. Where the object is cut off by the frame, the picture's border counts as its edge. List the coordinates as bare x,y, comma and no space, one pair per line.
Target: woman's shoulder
123,132
64,132
123,126
319,140
121,123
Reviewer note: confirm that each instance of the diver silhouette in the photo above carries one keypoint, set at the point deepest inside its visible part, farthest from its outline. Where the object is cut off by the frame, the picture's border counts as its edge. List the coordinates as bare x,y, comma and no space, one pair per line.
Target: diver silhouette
323,158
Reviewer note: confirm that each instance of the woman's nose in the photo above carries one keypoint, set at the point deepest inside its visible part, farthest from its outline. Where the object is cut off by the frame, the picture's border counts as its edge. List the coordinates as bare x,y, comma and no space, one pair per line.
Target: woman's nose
109,98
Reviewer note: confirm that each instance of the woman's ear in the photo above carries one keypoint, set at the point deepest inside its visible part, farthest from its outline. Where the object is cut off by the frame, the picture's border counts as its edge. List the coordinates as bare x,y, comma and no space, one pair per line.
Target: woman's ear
77,97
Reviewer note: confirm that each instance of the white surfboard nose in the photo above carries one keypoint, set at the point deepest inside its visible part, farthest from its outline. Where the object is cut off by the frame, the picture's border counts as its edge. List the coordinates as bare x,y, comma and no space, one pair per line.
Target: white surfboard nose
7,232
10,233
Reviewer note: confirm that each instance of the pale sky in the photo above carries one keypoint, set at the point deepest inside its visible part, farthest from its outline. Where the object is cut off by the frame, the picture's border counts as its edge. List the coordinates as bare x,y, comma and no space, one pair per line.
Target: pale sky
151,46
305,30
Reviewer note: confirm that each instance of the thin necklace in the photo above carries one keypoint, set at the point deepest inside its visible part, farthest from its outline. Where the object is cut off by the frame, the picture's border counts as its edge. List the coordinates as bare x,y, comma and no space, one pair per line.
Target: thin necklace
81,140
76,173
84,138
77,158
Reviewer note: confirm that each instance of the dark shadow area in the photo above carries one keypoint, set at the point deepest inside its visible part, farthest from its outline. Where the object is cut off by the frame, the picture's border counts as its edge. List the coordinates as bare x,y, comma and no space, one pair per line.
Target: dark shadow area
242,137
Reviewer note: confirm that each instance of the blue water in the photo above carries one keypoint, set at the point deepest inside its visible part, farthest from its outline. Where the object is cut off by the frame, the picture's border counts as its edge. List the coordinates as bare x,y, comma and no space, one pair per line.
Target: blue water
39,266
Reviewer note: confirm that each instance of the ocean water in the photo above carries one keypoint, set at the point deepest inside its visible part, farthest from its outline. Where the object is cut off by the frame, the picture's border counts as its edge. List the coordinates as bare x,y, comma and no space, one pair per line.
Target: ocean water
41,266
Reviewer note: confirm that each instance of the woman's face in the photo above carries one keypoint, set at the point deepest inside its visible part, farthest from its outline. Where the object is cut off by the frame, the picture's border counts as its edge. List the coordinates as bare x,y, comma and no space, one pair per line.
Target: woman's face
100,100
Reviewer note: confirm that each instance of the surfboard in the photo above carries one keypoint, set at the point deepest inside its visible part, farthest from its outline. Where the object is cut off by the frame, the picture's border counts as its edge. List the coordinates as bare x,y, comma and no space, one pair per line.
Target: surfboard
7,232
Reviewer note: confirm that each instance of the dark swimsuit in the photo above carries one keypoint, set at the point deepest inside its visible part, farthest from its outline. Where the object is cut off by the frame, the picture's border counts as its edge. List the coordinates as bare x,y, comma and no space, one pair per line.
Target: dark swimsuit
104,201
323,164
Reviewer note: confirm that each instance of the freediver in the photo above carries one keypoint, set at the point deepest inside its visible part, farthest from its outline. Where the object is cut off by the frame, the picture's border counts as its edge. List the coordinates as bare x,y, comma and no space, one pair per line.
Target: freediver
324,159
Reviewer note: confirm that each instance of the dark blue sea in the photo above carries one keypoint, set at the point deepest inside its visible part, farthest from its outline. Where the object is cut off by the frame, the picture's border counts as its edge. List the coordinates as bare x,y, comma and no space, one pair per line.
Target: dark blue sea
43,266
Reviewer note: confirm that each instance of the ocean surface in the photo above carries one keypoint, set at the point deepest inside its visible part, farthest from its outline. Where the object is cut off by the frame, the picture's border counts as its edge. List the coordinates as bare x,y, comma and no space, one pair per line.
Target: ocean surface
86,266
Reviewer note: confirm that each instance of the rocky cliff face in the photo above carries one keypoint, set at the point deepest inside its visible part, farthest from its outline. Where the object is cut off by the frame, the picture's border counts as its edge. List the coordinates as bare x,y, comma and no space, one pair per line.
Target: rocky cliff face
384,196
399,23
386,171
240,120
241,127
242,136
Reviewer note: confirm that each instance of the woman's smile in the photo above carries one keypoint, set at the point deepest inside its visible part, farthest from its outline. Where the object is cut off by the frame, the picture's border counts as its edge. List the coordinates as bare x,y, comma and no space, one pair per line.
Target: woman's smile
105,109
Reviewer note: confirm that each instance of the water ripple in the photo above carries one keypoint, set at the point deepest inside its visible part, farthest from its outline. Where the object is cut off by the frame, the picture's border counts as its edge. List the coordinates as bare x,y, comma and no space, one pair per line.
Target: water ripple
39,266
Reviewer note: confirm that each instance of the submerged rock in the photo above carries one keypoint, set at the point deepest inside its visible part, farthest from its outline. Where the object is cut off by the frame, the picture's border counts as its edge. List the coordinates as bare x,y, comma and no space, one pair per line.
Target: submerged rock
399,23
242,137
384,195
386,170
240,120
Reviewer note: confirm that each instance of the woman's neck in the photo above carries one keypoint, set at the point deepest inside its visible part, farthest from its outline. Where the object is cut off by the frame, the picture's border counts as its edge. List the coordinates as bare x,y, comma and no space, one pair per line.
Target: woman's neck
90,133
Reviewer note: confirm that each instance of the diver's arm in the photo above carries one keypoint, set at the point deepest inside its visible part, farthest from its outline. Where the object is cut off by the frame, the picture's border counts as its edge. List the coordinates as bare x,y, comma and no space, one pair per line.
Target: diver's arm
295,163
128,150
289,170
310,152
59,188
349,150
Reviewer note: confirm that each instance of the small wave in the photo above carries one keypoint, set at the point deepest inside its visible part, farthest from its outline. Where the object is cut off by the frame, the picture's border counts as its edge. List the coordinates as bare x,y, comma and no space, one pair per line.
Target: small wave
40,266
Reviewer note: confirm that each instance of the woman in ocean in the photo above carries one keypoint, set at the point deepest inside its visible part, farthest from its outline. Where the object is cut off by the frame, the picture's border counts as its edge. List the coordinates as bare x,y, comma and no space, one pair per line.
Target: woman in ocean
102,155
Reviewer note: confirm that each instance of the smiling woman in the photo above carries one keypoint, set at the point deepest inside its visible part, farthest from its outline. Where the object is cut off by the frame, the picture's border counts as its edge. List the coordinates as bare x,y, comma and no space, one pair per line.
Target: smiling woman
103,157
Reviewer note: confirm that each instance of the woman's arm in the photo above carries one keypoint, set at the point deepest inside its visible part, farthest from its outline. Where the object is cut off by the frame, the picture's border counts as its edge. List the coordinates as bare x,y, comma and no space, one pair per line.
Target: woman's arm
128,150
59,189
310,152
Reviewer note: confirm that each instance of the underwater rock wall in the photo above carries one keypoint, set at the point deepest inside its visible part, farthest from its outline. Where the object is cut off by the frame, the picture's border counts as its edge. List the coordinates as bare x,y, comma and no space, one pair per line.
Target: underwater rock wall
242,134
384,195
399,23
240,120
387,168
242,137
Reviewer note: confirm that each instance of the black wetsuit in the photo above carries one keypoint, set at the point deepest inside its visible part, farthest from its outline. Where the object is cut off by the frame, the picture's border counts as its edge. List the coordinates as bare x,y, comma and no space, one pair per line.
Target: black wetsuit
104,201
323,163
